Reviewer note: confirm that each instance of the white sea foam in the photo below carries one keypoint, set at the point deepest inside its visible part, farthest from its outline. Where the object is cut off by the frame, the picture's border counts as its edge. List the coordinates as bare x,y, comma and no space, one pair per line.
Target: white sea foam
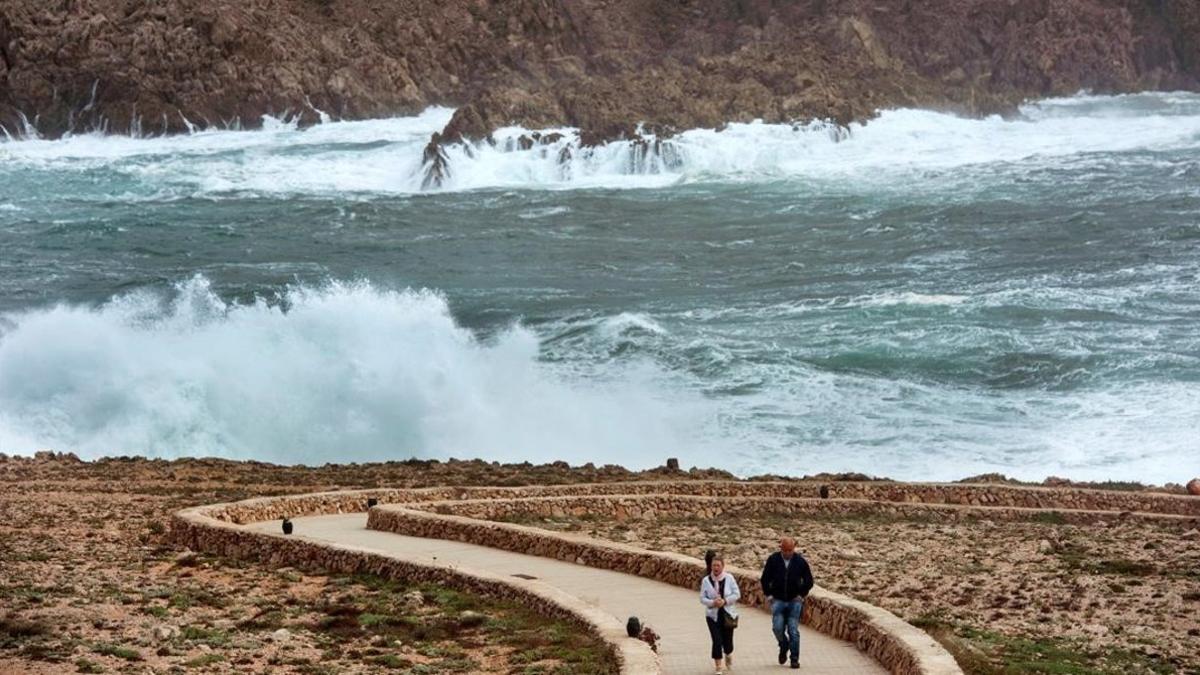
351,372
544,212
384,156
909,298
627,321
355,372
913,431
348,372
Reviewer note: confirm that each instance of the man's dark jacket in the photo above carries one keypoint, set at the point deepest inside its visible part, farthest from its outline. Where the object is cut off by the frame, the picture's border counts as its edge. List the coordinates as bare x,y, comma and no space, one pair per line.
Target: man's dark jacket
785,582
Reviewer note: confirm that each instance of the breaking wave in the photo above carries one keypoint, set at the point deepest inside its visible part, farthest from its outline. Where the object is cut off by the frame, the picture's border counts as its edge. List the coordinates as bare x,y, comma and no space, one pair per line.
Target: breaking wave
345,372
385,157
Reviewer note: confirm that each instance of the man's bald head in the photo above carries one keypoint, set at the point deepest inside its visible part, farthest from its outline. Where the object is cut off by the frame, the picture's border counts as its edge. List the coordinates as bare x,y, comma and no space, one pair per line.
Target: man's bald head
787,546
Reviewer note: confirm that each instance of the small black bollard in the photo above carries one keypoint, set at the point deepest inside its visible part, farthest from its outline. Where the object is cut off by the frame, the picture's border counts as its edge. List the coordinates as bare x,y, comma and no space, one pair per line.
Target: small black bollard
287,526
633,627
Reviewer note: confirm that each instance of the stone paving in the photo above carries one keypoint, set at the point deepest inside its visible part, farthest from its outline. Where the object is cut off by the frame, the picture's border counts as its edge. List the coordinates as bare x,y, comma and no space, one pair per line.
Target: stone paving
675,613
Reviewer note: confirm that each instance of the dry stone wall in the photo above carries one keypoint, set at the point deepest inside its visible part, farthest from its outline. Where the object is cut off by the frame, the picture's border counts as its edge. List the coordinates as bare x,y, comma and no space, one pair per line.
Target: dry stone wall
986,496
652,506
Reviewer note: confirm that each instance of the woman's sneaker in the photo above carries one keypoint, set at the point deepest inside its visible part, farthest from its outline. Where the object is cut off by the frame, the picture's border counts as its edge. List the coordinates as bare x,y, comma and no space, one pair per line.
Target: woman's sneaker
728,662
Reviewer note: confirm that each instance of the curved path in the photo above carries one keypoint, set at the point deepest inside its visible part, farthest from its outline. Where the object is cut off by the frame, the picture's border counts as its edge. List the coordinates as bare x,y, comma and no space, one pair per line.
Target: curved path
675,613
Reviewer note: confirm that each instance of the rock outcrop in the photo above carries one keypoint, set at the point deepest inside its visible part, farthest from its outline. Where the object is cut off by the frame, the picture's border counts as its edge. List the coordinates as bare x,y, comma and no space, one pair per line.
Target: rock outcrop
605,66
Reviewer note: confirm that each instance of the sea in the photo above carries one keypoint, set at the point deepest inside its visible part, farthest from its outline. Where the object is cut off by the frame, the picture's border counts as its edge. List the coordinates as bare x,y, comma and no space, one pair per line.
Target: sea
920,296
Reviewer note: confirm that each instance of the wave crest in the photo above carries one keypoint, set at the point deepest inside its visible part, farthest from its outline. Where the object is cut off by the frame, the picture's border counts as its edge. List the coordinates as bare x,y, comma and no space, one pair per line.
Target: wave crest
344,372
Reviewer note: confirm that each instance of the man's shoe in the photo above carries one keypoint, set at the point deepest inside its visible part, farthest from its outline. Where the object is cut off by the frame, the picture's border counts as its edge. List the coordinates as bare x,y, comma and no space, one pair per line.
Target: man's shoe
795,665
783,650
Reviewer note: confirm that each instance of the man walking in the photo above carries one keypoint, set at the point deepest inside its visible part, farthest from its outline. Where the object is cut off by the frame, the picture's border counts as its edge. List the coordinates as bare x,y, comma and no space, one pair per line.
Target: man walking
786,581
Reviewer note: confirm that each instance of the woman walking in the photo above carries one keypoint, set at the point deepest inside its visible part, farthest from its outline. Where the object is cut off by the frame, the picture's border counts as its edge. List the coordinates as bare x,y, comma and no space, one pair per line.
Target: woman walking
719,593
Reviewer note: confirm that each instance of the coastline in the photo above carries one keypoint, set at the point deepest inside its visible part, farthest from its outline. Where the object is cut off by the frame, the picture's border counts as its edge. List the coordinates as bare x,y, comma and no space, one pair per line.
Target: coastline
454,471
604,67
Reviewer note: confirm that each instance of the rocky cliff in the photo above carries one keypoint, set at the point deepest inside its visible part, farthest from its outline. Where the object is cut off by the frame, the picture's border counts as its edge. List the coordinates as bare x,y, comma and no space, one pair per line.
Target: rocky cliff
155,66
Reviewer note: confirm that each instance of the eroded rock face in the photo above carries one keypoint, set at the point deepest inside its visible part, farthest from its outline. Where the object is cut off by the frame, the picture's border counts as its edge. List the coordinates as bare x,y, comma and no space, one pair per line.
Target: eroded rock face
601,65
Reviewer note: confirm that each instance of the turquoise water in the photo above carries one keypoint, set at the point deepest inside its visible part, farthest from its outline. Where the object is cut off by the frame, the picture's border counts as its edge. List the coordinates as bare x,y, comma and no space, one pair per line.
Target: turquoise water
921,297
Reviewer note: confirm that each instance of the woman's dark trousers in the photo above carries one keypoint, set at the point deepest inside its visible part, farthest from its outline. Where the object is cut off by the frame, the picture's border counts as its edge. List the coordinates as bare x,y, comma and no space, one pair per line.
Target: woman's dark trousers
722,638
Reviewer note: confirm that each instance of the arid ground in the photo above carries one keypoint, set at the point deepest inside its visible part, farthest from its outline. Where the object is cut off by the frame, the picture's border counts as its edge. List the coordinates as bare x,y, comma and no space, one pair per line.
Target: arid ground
90,583
1039,596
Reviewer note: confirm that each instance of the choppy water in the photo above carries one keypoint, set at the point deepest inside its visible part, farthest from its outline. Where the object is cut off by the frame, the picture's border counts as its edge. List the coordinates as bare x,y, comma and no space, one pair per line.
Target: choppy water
925,297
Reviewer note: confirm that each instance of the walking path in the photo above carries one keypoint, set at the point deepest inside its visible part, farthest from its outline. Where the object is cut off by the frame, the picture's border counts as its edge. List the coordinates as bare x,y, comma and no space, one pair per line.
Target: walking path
674,613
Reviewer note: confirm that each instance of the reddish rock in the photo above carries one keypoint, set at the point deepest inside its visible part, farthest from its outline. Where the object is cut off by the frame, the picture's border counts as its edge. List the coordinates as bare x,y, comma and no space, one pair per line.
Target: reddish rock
1193,487
601,65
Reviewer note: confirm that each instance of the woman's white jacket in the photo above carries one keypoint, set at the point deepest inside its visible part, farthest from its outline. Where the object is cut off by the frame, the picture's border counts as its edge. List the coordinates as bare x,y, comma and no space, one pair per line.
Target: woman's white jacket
709,593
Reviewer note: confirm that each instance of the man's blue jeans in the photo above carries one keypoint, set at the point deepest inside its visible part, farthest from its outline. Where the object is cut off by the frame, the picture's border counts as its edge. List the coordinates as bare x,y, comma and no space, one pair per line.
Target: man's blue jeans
786,616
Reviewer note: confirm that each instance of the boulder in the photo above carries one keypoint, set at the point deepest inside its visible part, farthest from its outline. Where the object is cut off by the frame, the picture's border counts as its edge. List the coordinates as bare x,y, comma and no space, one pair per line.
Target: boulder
1193,487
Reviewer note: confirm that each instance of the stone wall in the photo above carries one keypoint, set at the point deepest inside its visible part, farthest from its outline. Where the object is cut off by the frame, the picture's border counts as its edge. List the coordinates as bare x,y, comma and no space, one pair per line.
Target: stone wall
194,529
651,506
989,497
1019,497
901,648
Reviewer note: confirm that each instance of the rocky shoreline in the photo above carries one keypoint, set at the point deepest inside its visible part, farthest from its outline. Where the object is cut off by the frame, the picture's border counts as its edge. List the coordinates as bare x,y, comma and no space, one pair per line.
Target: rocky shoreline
604,66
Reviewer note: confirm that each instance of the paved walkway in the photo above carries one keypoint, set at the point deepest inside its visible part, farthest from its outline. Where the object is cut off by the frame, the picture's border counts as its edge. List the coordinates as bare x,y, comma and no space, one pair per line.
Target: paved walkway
675,613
